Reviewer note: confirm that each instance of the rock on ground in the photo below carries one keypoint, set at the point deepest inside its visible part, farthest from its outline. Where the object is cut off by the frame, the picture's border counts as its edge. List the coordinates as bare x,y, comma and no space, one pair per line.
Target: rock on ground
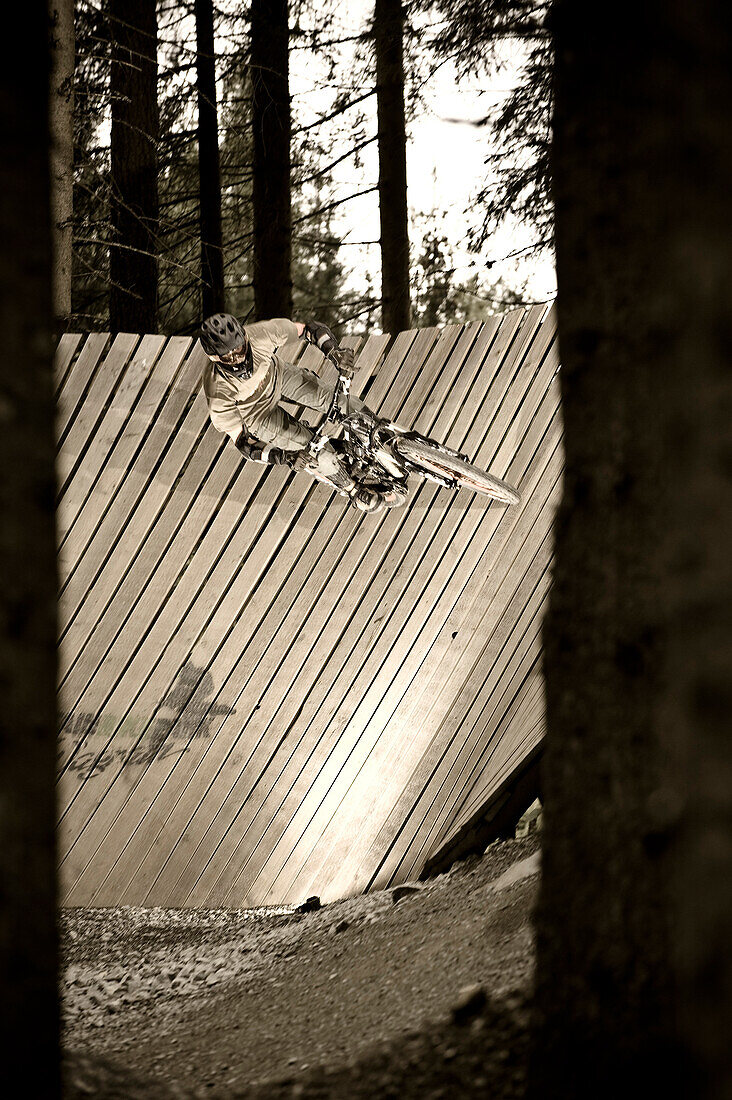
423,993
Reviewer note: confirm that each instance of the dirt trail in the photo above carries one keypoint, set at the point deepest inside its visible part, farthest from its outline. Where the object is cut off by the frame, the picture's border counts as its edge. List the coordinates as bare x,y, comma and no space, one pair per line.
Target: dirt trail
422,996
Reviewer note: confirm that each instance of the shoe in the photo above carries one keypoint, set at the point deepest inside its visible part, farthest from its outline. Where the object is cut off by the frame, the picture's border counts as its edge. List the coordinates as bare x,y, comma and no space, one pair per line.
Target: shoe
394,498
366,500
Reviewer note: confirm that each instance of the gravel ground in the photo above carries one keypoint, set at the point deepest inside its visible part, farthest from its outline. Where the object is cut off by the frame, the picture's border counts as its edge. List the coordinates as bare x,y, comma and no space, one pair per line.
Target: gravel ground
419,991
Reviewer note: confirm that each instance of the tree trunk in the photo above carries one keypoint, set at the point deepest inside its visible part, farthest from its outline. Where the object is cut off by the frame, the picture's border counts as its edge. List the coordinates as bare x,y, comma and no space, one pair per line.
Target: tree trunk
28,1004
212,258
134,70
388,42
633,925
271,125
62,151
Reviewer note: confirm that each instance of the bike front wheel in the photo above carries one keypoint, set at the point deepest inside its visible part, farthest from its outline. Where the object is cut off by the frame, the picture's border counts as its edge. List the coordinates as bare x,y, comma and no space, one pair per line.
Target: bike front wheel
436,461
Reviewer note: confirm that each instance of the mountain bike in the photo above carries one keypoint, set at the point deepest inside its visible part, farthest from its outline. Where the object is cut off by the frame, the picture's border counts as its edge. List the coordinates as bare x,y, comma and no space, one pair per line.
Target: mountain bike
381,454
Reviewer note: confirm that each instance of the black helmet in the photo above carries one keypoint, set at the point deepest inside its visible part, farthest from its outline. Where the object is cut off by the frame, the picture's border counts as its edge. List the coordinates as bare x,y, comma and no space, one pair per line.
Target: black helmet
222,333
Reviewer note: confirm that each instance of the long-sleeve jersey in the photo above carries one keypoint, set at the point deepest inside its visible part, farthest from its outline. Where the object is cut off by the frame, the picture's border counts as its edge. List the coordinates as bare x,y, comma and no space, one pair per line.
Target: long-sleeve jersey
251,405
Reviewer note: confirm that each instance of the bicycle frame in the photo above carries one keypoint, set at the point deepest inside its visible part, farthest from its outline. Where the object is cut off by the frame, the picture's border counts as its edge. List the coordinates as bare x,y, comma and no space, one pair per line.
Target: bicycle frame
367,440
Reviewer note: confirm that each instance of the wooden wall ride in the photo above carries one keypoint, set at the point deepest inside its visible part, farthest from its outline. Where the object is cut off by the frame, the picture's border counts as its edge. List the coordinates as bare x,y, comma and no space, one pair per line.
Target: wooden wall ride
263,694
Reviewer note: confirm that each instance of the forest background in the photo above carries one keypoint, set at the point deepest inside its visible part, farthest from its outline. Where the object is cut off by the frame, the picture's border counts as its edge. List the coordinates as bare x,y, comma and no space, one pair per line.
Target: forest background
400,154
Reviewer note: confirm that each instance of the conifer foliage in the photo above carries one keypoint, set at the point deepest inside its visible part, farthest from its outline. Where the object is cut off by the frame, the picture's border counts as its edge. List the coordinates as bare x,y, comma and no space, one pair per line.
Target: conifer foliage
204,182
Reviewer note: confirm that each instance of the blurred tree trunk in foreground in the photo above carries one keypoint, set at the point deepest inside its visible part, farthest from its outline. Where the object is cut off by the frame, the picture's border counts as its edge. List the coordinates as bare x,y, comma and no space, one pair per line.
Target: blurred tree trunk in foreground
389,49
28,1008
62,151
271,128
212,258
133,300
634,921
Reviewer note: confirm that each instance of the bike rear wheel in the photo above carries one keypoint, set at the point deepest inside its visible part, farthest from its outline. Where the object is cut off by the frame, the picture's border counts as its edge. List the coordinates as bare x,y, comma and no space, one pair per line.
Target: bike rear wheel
436,461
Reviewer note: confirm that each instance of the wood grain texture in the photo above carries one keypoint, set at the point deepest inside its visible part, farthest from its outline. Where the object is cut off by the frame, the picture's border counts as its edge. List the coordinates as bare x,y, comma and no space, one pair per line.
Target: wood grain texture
264,694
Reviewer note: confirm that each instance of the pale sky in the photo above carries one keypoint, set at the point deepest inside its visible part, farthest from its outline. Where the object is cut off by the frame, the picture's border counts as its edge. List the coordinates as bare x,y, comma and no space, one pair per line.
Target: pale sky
444,161
444,166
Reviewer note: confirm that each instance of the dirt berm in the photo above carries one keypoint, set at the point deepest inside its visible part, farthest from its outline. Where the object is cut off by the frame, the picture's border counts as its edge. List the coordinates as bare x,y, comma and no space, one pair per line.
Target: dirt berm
420,992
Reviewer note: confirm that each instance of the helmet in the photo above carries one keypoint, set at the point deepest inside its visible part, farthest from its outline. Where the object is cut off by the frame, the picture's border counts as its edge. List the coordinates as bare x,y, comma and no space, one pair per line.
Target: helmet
222,333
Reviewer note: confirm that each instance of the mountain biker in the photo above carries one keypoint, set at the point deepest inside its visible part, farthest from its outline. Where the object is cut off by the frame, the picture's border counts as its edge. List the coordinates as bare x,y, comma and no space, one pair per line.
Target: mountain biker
244,382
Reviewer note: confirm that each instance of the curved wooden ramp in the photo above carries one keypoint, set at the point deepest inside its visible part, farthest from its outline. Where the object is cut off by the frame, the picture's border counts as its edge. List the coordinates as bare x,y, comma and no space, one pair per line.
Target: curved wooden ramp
263,694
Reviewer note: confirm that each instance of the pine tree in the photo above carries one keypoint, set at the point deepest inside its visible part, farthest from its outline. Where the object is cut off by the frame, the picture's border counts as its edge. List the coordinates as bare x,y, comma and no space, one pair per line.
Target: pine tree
29,1018
635,914
271,128
472,35
133,302
212,261
61,117
388,30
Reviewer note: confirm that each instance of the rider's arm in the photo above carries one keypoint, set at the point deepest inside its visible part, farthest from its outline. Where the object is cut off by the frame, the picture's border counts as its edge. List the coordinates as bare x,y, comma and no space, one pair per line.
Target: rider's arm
276,331
225,416
320,335
259,452
280,329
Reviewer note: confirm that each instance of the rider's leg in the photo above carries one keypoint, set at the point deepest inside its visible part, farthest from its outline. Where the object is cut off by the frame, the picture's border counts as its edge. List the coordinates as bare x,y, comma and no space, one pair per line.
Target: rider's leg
327,467
305,388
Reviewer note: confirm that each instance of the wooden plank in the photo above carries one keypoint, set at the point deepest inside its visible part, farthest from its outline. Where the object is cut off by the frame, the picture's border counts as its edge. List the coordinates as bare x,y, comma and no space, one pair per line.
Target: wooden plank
152,477
120,735
528,716
421,844
440,700
339,773
127,572
308,571
315,631
214,512
411,858
351,830
496,816
145,492
407,569
308,526
487,742
99,445
107,502
77,381
94,535
243,490
149,585
282,694
511,740
484,680
319,677
92,407
66,348
504,721
426,709
304,484
391,614
416,720
212,496
445,659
